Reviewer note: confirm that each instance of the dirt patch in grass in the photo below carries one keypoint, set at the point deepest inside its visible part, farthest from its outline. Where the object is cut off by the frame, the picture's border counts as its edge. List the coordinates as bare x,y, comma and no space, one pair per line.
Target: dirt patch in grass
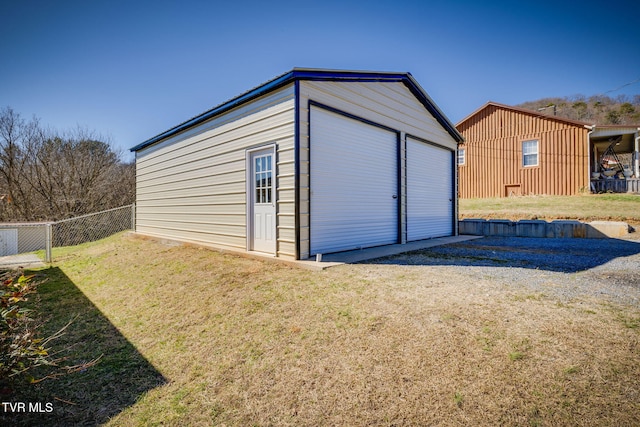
248,342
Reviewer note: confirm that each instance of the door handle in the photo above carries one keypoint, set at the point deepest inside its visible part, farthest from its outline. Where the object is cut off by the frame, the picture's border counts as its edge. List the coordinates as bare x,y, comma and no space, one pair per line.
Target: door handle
395,196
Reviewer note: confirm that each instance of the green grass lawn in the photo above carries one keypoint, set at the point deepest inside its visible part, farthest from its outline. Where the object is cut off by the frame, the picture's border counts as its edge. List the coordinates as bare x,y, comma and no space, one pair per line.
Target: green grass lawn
610,207
191,337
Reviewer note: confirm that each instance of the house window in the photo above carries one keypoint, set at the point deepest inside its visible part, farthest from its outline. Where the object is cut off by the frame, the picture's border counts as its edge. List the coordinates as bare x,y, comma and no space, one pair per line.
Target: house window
530,153
461,156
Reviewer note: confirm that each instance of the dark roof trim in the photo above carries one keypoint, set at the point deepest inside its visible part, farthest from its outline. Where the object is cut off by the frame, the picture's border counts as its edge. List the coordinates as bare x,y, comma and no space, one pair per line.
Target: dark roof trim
317,75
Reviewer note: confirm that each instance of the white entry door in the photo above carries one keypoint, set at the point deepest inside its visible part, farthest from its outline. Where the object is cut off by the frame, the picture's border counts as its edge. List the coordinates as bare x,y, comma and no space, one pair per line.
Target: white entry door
261,197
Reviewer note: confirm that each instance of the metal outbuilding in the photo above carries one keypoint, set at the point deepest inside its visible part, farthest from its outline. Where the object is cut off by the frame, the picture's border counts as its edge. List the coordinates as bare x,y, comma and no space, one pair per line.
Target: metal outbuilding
314,161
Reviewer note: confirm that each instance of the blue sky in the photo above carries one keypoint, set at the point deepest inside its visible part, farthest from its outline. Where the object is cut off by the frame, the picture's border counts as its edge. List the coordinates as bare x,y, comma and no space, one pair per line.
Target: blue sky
132,69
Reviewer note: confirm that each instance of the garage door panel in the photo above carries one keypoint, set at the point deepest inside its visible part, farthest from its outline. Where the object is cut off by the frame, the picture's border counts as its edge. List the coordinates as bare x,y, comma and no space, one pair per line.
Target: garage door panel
429,191
353,183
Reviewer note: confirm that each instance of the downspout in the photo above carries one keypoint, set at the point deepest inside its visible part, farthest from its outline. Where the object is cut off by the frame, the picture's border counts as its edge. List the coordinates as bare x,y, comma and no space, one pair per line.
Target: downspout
595,164
636,155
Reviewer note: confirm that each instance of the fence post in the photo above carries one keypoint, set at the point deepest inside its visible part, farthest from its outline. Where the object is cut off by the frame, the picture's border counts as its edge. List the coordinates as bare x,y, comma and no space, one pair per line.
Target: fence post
48,243
133,217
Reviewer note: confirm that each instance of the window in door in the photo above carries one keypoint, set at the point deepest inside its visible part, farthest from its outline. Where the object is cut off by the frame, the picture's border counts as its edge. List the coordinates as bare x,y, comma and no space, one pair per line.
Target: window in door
263,178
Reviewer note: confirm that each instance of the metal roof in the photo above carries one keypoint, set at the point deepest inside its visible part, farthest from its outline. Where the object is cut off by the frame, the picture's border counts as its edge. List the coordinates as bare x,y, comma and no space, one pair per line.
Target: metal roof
524,111
317,75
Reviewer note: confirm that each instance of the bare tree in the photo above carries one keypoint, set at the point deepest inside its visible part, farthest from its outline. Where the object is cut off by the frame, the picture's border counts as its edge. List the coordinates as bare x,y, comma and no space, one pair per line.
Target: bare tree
49,176
598,109
16,135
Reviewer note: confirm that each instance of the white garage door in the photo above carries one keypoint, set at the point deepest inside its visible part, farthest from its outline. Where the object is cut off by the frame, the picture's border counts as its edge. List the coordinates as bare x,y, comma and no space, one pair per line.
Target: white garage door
354,183
429,191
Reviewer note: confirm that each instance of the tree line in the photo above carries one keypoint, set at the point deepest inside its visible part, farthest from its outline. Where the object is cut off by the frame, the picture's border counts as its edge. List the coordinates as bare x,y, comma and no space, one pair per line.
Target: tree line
47,175
598,109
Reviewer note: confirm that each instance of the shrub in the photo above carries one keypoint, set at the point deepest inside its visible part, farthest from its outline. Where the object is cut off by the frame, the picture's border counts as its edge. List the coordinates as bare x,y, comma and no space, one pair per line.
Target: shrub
21,347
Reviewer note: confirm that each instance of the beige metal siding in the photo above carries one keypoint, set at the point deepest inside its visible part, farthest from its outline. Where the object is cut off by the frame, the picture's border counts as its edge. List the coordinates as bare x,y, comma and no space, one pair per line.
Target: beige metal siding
493,155
192,186
389,104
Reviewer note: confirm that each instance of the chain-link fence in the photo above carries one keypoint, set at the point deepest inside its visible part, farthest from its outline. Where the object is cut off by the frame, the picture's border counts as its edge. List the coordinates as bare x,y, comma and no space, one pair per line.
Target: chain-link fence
19,238
91,227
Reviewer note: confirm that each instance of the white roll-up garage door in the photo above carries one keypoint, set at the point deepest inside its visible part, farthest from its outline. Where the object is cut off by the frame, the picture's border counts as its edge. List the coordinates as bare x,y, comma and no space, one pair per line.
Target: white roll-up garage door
354,183
430,195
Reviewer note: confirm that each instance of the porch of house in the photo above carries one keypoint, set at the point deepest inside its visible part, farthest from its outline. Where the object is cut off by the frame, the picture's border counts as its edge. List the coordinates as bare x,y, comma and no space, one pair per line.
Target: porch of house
615,159
625,185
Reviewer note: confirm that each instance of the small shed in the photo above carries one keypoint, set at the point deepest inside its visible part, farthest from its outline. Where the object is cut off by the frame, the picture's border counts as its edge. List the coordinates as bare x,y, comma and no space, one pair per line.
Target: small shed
314,161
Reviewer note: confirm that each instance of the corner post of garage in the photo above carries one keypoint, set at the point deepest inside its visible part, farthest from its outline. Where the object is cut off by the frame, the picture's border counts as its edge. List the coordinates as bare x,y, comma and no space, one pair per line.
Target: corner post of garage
456,192
402,183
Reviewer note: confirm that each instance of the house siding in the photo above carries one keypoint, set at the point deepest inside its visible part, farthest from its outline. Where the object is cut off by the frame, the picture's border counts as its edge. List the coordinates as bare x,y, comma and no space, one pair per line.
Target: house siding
493,150
192,186
390,104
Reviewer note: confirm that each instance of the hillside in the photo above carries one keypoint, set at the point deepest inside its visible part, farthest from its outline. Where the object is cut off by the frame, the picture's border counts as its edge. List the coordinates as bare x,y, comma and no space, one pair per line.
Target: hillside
475,334
598,109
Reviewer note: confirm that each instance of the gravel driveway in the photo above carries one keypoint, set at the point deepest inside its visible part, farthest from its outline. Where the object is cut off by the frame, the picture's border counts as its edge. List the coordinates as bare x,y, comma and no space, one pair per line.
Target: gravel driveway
559,268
